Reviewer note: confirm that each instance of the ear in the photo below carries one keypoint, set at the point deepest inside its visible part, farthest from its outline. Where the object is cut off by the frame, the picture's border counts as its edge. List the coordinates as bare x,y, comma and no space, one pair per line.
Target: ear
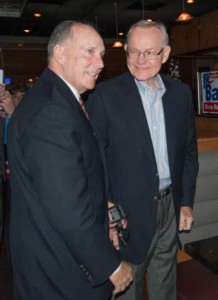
58,53
166,53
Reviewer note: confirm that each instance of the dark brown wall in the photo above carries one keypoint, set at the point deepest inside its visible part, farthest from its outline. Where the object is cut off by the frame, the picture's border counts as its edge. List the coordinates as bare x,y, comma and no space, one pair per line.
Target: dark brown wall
29,62
23,63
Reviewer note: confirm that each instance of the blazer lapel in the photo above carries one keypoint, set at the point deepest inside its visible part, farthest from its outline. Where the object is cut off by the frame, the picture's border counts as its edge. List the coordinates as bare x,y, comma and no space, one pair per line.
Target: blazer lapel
133,108
65,91
170,122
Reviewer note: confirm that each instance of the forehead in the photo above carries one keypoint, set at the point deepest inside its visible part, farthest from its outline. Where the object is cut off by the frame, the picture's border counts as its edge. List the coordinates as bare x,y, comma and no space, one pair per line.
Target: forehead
149,36
86,36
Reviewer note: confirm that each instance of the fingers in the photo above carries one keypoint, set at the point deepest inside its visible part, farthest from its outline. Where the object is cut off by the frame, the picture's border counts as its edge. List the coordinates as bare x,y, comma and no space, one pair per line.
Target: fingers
114,238
124,223
186,219
122,278
186,224
5,96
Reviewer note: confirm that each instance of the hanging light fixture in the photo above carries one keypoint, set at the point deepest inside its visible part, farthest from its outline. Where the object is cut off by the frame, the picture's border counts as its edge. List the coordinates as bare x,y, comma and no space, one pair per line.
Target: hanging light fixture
184,16
143,12
117,43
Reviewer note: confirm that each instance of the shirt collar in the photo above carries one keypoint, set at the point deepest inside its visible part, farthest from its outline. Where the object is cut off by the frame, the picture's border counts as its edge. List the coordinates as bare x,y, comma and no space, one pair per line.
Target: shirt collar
74,91
142,86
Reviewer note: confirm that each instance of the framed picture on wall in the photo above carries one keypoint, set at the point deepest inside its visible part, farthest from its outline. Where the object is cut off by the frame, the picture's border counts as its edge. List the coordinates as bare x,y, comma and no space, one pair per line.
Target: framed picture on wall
208,92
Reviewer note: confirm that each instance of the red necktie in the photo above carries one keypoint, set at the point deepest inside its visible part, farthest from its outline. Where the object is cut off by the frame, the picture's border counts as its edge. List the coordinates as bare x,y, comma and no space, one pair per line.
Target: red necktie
83,108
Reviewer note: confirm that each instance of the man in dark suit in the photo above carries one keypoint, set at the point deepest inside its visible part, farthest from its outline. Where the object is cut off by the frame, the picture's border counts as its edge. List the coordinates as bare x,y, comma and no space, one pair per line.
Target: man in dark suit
145,124
58,231
2,174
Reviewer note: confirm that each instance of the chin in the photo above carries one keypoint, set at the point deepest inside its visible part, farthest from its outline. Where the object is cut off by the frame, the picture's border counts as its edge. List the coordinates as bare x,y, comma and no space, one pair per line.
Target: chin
141,78
91,85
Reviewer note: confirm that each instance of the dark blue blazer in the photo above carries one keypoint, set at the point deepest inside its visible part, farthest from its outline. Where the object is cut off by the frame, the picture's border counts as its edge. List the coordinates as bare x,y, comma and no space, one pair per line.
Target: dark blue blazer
117,114
58,231
2,174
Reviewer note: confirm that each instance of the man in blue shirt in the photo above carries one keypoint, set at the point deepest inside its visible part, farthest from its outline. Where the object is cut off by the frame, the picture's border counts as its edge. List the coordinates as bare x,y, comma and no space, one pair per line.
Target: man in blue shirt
145,124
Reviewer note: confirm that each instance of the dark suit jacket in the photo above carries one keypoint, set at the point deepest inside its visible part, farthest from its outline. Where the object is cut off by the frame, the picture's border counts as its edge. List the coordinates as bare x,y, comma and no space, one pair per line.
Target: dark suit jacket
117,113
58,237
2,173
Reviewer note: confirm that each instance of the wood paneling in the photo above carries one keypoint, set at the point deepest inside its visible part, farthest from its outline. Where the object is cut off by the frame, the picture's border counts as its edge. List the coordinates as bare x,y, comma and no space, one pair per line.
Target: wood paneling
24,62
209,30
206,127
207,144
29,61
115,62
185,37
200,34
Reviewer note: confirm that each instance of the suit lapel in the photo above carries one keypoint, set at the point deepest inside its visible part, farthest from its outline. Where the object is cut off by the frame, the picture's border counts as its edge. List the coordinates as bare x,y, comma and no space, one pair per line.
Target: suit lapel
170,121
133,108
63,89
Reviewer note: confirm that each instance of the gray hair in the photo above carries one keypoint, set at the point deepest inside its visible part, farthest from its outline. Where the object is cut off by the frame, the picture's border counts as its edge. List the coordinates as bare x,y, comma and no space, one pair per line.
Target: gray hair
61,33
150,24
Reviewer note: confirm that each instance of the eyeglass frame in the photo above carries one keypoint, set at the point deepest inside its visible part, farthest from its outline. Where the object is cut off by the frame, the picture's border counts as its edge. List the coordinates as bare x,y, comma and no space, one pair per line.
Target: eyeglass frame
144,53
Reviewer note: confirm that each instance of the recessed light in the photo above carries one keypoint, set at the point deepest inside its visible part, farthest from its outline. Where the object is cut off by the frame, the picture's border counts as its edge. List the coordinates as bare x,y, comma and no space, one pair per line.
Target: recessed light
37,15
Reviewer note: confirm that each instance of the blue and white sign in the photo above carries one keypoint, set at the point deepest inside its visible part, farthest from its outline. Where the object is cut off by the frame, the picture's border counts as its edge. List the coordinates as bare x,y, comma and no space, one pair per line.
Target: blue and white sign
209,92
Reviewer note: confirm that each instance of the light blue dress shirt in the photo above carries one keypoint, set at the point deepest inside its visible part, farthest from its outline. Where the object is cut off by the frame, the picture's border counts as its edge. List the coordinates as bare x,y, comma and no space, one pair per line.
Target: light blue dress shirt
153,107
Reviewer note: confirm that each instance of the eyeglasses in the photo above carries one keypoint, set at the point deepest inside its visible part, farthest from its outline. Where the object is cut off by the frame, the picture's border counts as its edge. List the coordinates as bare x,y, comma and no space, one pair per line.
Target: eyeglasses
148,54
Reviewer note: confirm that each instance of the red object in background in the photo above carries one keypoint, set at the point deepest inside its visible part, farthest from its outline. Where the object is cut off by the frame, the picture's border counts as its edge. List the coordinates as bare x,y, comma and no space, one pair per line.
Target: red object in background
196,282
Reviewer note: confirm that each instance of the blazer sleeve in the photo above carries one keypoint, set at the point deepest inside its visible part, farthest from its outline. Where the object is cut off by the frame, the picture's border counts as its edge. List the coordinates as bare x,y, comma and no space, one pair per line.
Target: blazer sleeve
56,162
190,170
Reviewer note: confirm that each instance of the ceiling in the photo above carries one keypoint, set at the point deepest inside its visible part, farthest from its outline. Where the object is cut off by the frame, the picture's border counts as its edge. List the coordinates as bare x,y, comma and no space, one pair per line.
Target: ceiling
17,15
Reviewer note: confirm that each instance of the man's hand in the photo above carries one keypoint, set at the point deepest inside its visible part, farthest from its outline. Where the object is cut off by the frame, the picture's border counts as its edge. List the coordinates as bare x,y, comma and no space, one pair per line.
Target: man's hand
121,278
186,218
6,101
113,234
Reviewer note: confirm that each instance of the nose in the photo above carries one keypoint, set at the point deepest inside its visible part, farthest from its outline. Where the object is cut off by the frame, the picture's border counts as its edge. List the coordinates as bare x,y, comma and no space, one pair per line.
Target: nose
99,62
142,57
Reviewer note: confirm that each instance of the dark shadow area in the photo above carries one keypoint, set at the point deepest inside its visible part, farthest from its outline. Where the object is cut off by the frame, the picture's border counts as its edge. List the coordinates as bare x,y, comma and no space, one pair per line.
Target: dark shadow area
5,274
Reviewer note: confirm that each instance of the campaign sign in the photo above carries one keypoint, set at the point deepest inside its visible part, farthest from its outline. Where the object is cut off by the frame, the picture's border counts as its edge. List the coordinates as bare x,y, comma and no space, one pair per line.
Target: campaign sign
209,92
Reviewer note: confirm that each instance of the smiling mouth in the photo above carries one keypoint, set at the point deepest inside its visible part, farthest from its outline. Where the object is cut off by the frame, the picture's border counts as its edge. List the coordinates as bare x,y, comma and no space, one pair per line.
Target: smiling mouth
142,68
94,75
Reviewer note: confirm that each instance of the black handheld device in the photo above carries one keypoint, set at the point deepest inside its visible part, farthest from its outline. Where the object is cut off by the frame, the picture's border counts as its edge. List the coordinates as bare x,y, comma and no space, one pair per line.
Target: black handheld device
117,214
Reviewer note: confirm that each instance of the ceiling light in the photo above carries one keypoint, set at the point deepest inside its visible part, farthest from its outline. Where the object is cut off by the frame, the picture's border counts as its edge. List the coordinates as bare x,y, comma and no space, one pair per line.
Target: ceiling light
37,15
184,16
190,1
26,30
117,43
